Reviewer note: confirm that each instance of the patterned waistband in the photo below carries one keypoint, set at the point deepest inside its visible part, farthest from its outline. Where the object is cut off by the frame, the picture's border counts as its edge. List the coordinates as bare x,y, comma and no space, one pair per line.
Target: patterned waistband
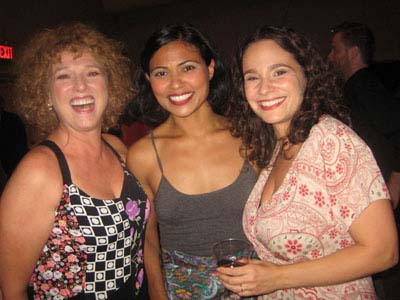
193,277
177,258
190,276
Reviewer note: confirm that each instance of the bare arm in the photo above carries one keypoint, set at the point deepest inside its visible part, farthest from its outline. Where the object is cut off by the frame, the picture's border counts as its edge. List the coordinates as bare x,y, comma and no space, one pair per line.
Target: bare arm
26,218
152,260
140,161
375,249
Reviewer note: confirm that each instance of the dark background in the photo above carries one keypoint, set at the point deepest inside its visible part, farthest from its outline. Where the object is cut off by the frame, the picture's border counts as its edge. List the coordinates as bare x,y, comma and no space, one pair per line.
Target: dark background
225,21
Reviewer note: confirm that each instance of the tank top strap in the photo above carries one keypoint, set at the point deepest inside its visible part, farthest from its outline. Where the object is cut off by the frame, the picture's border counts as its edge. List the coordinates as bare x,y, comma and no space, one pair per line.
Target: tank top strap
114,151
62,162
155,150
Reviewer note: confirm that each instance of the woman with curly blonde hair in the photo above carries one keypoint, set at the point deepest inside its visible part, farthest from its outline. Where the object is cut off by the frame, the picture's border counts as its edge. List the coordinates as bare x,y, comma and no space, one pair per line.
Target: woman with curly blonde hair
72,216
44,51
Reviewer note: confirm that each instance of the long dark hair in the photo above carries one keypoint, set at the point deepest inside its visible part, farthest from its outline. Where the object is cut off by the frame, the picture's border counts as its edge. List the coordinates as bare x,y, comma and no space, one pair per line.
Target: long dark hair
145,107
321,96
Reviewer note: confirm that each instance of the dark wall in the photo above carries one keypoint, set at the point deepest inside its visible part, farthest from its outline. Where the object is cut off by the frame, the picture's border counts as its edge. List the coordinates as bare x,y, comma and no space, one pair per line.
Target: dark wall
20,19
226,21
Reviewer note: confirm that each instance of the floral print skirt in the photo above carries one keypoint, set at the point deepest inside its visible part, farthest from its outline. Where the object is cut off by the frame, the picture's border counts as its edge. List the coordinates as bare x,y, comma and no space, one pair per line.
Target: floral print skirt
191,277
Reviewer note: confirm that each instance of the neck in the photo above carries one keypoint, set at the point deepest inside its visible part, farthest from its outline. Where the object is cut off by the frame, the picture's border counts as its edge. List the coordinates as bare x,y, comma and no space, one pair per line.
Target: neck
354,68
281,131
289,150
198,124
79,142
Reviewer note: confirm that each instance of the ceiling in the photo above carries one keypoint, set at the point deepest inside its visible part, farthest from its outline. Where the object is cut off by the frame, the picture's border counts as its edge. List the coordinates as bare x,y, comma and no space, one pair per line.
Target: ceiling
117,6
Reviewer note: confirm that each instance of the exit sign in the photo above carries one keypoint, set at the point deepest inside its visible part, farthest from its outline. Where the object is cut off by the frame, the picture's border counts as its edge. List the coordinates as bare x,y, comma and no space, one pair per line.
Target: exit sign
6,52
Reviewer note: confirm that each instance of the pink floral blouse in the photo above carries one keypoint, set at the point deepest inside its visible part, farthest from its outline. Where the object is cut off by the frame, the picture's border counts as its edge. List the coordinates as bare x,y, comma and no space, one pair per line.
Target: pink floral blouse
329,184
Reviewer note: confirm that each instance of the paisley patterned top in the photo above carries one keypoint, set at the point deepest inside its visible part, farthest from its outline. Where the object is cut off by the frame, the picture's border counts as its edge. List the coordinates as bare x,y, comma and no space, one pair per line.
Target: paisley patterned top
95,248
331,181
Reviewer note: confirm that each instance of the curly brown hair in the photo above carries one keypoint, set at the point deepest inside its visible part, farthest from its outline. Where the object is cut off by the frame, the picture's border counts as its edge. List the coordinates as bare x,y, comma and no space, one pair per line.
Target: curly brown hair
45,49
321,96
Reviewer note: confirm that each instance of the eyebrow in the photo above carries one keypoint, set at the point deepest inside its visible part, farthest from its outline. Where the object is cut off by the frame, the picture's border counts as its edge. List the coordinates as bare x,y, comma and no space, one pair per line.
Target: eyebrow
189,61
60,68
271,67
180,64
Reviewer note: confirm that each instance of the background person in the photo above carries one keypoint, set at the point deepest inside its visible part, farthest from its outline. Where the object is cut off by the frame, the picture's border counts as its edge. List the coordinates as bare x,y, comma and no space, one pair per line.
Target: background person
72,216
319,215
374,111
189,164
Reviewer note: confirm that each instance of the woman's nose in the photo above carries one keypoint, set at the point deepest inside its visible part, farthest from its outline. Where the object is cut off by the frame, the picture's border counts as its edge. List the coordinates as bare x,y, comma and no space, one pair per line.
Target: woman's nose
80,82
176,81
265,85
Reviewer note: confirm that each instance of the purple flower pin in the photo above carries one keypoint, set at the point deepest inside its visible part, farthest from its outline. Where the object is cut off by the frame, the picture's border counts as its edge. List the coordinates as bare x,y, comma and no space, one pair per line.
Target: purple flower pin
132,209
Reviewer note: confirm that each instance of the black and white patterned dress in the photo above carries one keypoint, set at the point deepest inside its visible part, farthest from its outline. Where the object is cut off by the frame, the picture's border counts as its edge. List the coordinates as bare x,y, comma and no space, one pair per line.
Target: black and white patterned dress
95,249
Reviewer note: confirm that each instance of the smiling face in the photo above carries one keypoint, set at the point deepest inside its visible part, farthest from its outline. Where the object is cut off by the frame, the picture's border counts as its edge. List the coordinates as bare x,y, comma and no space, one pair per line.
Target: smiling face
180,78
274,84
78,91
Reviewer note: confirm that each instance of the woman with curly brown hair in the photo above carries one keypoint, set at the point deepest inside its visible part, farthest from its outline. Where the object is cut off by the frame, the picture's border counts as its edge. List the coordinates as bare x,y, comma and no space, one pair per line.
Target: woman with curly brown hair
319,215
72,216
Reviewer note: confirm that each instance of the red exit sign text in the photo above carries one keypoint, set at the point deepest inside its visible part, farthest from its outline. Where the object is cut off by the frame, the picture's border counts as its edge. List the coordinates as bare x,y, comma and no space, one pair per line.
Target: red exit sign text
6,52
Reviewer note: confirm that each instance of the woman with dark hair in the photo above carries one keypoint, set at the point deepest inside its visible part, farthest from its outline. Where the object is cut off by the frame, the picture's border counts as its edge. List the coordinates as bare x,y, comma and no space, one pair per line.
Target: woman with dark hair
72,216
319,215
189,164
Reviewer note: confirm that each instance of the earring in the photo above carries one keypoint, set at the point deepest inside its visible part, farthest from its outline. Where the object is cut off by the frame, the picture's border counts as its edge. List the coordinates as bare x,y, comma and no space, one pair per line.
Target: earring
49,106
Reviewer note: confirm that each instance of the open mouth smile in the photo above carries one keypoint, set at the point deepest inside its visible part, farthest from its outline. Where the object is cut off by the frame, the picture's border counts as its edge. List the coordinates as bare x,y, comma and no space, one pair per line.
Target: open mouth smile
82,104
180,99
271,104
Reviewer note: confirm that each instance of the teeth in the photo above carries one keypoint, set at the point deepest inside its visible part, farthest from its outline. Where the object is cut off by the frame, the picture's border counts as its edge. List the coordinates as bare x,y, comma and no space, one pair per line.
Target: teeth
77,102
181,98
271,102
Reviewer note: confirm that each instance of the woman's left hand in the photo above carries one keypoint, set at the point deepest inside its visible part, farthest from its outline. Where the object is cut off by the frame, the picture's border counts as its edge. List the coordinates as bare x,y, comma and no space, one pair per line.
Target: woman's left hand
255,278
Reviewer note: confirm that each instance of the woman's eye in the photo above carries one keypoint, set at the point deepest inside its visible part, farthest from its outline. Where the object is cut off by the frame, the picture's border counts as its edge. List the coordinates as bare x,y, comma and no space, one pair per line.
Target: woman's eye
280,72
94,73
189,68
250,78
159,73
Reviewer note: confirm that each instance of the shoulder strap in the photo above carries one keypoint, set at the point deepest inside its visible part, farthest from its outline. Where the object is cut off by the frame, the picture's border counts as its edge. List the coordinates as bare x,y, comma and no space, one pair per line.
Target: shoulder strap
155,150
113,150
61,160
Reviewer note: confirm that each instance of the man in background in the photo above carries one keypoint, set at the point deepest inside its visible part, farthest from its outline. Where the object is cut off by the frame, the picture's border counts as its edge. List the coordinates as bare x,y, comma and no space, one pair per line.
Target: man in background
374,111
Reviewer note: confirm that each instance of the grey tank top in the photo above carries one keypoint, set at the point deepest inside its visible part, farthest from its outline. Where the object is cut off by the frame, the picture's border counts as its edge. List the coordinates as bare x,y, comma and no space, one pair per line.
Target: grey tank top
193,223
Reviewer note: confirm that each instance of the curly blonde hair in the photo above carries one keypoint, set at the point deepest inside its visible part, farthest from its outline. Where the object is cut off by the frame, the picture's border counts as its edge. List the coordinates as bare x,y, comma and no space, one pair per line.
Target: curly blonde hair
44,50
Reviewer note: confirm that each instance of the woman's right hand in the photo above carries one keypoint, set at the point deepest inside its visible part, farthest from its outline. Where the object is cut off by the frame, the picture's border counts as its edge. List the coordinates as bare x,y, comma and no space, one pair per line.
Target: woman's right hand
257,277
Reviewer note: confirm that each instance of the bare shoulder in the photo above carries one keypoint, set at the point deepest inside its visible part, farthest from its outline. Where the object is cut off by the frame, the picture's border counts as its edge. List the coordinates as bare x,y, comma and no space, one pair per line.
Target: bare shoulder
117,144
142,162
37,175
141,154
27,211
39,164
